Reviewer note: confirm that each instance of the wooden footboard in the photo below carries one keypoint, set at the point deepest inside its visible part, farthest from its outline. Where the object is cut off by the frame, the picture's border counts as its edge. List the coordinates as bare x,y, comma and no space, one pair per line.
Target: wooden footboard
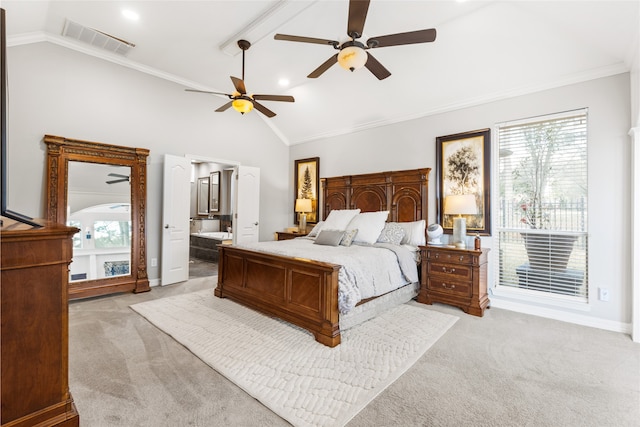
301,291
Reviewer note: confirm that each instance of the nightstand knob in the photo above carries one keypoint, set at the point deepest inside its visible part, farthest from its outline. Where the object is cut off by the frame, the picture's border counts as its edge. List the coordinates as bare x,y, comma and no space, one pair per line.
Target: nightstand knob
444,285
461,257
453,270
437,256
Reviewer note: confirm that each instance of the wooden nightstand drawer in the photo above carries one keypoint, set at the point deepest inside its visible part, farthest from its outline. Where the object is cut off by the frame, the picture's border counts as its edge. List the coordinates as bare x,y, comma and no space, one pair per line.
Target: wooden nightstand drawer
458,258
443,271
435,284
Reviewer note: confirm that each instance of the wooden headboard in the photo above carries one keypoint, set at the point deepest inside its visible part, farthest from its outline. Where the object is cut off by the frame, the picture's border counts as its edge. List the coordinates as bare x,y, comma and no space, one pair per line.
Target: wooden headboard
404,194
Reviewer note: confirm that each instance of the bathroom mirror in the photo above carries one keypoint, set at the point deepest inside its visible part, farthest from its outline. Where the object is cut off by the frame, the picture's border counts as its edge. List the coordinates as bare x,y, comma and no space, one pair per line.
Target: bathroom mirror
203,196
100,189
214,192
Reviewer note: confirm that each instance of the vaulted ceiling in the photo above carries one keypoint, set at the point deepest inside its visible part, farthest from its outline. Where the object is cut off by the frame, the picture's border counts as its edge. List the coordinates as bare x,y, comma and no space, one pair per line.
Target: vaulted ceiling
484,50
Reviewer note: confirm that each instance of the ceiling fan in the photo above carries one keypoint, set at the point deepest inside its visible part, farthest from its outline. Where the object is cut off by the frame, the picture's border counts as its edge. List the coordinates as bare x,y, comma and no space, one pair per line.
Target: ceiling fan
240,100
121,178
353,53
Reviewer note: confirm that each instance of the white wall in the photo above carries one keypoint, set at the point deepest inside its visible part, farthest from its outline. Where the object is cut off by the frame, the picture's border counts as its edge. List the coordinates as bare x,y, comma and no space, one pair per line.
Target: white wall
54,90
411,145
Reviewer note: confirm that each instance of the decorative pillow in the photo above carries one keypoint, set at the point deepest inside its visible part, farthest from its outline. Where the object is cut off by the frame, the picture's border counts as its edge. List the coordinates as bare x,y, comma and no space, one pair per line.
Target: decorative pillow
414,233
347,239
316,229
329,237
338,219
369,225
391,233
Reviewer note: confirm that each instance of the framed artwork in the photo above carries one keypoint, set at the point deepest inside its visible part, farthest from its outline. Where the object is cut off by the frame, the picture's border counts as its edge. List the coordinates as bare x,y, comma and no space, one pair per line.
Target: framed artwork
307,185
463,167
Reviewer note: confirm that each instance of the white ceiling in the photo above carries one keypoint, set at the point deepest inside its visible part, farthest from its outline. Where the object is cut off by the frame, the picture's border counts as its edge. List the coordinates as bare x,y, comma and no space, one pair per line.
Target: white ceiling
484,50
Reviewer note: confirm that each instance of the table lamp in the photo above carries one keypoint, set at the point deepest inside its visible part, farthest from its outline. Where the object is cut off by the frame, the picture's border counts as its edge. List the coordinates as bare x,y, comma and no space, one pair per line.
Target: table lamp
302,207
460,204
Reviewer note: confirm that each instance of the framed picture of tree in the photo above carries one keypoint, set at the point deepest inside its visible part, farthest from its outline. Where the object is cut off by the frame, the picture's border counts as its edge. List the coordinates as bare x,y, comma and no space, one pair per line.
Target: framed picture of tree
307,186
463,167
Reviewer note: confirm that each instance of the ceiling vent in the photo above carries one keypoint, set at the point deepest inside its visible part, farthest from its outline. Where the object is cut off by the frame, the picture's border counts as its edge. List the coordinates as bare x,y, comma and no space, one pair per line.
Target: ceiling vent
96,38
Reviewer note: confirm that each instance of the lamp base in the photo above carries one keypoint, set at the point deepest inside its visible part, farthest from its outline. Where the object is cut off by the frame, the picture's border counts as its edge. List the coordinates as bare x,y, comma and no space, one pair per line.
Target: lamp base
303,223
459,232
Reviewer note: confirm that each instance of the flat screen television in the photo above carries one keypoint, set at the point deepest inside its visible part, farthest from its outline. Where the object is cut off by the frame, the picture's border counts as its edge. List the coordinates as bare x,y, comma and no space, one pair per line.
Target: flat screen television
3,127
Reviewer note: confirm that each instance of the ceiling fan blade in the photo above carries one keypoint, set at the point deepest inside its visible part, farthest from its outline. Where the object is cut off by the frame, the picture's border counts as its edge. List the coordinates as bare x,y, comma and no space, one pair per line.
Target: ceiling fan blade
289,38
239,85
264,110
357,15
376,67
119,175
412,37
284,98
224,107
324,67
206,91
115,181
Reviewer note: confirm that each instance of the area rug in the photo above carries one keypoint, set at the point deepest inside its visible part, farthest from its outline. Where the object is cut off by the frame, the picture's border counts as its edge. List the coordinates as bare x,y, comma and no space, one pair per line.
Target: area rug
281,365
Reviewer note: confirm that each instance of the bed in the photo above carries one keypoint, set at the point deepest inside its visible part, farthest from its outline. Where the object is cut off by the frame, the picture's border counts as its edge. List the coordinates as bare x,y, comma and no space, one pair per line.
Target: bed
304,291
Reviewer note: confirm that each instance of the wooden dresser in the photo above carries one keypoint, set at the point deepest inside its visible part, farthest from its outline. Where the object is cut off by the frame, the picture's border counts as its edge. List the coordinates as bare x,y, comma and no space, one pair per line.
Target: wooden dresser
454,276
34,349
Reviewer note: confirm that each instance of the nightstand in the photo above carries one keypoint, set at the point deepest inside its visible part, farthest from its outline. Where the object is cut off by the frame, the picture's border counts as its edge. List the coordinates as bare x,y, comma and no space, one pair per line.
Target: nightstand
456,277
287,235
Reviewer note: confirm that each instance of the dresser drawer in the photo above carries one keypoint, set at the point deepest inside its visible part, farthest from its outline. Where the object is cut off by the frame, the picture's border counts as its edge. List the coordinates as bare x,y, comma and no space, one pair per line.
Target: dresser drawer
450,287
449,271
442,256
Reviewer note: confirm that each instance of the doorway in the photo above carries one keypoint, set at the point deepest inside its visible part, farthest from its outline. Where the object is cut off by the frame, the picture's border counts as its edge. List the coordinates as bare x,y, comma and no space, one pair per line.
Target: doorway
210,213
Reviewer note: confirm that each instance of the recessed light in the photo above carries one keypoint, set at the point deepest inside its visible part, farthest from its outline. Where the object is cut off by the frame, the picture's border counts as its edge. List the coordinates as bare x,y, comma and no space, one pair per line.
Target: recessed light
130,14
283,82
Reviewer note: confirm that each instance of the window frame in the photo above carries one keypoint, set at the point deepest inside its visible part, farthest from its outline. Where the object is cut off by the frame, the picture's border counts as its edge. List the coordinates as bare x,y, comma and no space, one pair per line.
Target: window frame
528,297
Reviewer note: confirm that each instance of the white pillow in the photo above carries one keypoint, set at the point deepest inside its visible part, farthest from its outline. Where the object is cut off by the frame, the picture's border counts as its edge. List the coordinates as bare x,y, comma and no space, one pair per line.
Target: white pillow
316,229
414,233
338,219
369,225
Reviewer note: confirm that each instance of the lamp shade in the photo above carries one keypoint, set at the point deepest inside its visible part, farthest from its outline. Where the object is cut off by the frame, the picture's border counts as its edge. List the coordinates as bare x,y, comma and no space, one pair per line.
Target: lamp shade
303,205
352,58
242,105
460,204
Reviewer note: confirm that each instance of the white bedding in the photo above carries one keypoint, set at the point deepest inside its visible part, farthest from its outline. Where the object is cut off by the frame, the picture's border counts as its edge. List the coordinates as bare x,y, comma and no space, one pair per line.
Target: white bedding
367,271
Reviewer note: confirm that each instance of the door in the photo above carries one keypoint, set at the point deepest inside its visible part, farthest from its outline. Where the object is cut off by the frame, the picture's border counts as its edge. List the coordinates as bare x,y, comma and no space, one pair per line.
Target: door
176,200
246,225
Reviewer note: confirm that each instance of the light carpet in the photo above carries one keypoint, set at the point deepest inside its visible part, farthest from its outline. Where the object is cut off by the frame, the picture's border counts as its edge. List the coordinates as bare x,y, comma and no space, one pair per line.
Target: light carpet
306,383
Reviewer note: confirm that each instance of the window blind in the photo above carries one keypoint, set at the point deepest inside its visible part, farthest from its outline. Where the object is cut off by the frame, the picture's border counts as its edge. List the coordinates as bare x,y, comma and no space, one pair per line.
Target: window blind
542,224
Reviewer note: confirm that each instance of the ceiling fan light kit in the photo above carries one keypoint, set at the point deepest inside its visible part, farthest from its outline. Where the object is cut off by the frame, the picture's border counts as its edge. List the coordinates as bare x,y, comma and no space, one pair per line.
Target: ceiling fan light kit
242,105
352,58
353,54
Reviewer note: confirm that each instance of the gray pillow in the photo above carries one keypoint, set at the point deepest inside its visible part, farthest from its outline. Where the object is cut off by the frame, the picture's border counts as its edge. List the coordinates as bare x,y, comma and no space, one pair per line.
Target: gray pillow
329,237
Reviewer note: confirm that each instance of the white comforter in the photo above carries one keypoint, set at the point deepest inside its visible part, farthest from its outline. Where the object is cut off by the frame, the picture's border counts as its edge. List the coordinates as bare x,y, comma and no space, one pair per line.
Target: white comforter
367,271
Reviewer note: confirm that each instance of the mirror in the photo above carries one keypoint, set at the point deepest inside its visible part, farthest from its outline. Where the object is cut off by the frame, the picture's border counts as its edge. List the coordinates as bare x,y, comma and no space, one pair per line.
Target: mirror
214,192
101,190
203,196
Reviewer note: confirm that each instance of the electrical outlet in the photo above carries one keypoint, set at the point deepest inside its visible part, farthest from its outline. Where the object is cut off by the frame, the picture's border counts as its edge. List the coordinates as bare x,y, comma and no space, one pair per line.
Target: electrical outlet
603,294
154,262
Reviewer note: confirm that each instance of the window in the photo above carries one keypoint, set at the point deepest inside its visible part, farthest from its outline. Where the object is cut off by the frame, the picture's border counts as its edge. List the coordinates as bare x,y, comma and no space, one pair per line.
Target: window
112,234
542,213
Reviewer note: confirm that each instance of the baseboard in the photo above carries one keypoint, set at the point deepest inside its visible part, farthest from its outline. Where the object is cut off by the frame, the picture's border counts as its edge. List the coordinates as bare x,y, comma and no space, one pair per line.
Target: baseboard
550,313
154,282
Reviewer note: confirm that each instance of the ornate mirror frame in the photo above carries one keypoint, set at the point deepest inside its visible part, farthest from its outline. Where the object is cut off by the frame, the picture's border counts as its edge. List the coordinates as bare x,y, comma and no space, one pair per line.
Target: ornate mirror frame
60,151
